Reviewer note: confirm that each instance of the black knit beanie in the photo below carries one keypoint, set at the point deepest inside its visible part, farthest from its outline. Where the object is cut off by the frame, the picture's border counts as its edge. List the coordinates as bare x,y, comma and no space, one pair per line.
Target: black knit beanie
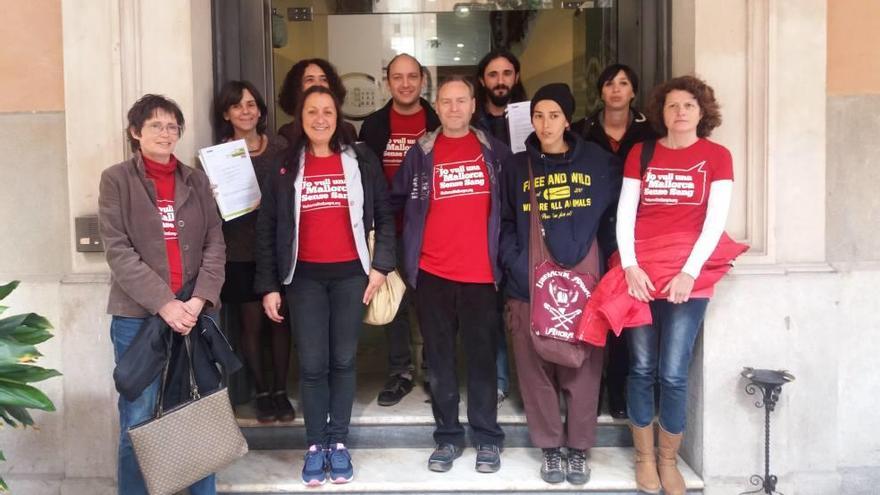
558,92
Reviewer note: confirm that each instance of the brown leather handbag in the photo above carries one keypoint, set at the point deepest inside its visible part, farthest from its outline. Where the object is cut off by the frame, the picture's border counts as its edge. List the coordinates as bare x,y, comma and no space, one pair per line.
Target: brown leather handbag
557,294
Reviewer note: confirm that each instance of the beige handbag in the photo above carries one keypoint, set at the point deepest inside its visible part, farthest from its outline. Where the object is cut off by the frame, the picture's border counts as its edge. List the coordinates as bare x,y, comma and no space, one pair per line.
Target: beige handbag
386,301
185,444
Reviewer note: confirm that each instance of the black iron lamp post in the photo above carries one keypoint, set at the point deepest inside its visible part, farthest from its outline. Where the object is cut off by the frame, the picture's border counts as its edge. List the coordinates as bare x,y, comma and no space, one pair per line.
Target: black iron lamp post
770,383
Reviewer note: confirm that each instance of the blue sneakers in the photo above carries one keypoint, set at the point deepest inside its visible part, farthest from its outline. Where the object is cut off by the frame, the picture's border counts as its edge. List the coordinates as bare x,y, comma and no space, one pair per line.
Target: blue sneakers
315,466
341,469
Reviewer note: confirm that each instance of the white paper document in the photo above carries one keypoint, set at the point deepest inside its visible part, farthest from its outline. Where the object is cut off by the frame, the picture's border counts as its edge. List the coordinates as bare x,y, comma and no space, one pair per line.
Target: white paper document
519,123
230,170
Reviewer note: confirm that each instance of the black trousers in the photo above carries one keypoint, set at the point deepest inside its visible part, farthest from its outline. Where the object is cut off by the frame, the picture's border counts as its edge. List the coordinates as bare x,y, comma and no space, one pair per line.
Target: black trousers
397,337
327,315
444,308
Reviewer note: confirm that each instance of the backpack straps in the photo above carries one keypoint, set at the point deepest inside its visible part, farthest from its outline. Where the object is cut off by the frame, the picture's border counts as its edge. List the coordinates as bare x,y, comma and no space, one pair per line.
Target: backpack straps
647,154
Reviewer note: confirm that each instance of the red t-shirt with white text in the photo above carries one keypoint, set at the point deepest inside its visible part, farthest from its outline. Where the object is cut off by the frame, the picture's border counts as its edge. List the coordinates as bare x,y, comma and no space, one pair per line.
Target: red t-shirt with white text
456,240
676,186
405,131
162,176
325,234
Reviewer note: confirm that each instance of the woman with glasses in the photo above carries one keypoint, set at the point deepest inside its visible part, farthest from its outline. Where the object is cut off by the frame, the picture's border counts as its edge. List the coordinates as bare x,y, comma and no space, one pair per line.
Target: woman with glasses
161,231
317,211
240,113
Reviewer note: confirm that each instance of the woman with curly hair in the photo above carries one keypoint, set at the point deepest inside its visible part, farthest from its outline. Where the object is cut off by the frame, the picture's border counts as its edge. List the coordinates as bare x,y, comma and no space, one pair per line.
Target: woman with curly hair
672,250
302,76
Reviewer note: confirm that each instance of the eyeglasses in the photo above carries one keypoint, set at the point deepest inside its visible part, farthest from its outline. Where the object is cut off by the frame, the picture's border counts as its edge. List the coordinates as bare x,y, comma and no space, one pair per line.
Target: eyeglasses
157,128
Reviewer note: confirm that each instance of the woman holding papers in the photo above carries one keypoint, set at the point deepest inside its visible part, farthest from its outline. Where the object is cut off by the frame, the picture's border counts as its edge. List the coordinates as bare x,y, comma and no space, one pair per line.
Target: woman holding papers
317,211
240,113
161,232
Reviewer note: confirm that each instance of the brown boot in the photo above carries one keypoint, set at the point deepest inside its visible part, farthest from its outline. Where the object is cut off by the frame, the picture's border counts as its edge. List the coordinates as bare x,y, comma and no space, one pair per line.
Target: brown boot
647,479
667,460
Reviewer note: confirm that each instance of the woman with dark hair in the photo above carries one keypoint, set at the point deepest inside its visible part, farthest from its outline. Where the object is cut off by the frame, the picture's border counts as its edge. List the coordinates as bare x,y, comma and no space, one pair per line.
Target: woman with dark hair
302,76
161,233
317,211
240,113
616,126
670,230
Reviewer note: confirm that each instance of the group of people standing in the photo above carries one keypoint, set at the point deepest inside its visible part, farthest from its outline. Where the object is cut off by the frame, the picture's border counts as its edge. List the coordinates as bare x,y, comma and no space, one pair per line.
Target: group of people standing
468,223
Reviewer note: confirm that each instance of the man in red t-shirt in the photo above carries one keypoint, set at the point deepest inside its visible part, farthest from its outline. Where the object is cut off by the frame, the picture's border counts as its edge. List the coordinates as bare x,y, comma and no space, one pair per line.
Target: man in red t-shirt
390,132
448,185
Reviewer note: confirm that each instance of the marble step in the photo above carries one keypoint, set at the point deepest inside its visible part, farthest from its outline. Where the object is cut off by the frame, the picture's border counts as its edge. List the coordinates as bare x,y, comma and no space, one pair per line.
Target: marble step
398,471
406,424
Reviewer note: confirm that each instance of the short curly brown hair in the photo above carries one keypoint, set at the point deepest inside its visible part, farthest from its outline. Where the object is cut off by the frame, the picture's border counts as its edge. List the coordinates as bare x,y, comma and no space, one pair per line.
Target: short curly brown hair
704,94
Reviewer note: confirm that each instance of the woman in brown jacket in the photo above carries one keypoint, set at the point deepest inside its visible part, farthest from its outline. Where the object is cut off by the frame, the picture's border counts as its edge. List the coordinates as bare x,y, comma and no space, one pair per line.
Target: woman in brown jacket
161,230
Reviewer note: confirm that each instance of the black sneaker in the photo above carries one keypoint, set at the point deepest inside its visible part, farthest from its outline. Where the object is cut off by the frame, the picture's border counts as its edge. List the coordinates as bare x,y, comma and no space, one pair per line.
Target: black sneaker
552,470
265,407
395,389
578,471
443,456
284,411
488,458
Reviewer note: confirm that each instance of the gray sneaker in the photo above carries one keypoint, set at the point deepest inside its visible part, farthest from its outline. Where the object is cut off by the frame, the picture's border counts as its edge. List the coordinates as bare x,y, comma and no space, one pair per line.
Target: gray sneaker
443,456
488,458
552,470
578,471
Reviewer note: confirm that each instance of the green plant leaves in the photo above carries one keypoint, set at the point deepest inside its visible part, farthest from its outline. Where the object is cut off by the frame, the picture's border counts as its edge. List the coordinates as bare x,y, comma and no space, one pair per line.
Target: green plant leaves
19,335
12,351
28,328
5,290
26,373
13,393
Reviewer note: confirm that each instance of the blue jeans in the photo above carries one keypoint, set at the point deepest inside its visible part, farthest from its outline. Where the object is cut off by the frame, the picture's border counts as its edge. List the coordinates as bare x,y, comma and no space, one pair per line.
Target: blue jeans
130,481
662,352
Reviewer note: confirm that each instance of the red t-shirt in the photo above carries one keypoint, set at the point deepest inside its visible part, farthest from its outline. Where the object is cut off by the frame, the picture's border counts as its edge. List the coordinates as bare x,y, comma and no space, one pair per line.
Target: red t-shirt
456,240
405,131
676,186
162,176
325,234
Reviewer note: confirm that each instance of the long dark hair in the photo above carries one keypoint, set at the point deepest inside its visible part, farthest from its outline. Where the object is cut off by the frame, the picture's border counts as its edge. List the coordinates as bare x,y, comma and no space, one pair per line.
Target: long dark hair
517,92
338,140
229,95
291,89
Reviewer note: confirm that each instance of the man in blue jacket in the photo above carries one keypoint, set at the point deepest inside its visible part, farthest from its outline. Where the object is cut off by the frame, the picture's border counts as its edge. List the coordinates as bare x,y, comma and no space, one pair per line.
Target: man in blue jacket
448,186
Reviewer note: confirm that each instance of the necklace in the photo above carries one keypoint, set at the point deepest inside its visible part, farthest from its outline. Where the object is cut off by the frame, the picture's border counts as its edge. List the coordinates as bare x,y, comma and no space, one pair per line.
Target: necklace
258,148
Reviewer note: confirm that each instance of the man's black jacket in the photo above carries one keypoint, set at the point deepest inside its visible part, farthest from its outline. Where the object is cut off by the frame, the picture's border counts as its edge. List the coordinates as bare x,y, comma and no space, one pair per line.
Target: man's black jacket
376,129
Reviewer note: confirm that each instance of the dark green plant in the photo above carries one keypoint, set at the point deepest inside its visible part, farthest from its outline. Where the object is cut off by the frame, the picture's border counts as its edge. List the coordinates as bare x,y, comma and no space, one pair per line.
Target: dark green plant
19,335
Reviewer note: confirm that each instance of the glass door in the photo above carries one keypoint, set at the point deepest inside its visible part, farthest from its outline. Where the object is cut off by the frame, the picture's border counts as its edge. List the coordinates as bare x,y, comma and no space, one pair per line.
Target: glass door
555,41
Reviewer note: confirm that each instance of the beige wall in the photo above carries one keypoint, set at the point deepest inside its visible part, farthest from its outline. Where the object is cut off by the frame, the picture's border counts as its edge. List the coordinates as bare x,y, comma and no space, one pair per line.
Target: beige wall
853,101
853,50
33,174
30,56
